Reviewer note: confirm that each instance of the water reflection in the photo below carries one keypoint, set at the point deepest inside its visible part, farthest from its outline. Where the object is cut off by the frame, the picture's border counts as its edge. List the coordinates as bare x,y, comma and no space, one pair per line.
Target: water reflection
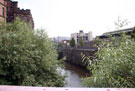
74,75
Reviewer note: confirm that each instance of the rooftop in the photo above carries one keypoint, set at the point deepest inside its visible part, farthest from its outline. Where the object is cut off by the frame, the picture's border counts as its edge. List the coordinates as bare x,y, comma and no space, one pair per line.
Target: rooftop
119,31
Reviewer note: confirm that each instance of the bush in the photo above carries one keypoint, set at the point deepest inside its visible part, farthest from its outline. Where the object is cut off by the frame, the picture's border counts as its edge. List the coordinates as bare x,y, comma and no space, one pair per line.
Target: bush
72,42
81,42
115,66
27,57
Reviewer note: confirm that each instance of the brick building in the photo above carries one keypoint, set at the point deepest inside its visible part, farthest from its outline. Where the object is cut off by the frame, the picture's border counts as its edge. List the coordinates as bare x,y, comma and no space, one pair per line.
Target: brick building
13,12
9,11
24,15
3,4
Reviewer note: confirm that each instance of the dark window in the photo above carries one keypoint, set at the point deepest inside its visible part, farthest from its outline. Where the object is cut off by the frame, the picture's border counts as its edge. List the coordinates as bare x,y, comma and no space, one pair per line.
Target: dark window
86,37
7,12
25,18
77,40
3,12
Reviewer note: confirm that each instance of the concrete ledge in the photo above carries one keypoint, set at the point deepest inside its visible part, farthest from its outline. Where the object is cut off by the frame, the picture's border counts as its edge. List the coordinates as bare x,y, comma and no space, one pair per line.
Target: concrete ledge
27,88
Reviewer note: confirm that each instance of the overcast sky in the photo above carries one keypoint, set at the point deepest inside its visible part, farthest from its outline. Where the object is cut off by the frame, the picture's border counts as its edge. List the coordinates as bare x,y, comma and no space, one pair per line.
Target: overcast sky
63,17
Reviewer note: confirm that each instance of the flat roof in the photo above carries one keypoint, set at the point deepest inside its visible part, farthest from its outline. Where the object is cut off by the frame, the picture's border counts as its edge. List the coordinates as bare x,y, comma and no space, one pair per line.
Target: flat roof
119,31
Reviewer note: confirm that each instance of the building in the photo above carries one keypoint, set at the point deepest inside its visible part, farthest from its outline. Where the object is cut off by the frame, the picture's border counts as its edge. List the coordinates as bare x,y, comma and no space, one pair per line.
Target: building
13,12
65,43
3,16
9,11
116,33
61,41
86,37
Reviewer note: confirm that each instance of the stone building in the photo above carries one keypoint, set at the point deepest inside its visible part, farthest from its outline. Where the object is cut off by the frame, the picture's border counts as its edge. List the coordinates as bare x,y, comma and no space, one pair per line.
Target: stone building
13,12
3,4
9,11
81,35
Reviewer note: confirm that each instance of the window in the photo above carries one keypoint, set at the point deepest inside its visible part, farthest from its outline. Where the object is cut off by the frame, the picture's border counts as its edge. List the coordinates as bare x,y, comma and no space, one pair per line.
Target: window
25,18
86,37
20,17
7,10
3,12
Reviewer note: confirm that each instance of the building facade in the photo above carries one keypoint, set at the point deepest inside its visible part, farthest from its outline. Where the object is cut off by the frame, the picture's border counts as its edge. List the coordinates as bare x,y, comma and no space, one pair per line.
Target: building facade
13,12
3,5
9,11
86,37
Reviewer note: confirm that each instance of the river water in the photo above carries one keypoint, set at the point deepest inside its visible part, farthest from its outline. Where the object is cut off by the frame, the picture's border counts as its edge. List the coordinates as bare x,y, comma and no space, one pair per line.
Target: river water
73,75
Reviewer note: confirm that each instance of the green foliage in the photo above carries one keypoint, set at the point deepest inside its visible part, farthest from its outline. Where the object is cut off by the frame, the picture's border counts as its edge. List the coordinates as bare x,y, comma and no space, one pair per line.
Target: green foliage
133,33
59,45
72,42
115,66
27,57
88,62
81,42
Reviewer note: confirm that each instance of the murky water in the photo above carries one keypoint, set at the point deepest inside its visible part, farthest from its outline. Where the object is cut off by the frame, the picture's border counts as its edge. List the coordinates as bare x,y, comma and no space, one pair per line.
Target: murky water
74,75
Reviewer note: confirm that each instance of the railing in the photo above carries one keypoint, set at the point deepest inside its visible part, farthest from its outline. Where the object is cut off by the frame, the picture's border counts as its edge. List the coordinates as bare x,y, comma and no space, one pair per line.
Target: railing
26,88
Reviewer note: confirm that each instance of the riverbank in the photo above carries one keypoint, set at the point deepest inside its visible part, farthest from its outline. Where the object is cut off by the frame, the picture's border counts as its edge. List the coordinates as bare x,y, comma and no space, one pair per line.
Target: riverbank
73,75
80,67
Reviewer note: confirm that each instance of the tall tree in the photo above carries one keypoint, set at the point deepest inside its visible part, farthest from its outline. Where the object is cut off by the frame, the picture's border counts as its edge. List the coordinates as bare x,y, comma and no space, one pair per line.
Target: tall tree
81,42
133,33
27,57
72,42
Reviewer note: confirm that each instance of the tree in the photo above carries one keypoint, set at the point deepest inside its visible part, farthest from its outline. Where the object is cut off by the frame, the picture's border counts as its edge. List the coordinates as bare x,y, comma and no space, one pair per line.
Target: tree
121,23
27,57
133,33
114,65
72,42
81,42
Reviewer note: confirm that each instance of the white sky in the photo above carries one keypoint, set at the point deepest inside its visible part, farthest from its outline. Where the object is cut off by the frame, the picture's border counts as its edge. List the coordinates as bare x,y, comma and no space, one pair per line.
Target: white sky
63,17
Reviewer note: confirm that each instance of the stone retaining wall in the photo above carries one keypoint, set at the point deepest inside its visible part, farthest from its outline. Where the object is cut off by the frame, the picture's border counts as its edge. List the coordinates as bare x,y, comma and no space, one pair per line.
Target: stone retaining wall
74,55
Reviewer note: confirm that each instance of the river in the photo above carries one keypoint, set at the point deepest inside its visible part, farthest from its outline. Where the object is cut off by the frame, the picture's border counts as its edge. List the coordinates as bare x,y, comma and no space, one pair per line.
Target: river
73,75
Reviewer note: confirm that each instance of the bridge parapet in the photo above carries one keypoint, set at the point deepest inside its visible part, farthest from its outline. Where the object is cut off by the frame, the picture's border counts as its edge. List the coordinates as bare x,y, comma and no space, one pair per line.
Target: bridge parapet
26,88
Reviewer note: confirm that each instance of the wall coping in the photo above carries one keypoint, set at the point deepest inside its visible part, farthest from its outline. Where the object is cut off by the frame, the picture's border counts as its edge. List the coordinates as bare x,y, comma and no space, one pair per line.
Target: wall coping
28,88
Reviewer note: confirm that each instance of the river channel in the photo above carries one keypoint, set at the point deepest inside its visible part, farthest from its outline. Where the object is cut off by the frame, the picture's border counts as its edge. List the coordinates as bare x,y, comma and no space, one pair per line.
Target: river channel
73,75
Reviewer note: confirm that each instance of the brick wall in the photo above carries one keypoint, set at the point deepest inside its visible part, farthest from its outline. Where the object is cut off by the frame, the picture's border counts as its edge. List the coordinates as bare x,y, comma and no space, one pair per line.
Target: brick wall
3,11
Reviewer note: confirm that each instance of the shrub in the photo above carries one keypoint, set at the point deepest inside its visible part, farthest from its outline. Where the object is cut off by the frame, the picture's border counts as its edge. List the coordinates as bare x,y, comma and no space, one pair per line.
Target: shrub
81,42
72,42
27,57
115,66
